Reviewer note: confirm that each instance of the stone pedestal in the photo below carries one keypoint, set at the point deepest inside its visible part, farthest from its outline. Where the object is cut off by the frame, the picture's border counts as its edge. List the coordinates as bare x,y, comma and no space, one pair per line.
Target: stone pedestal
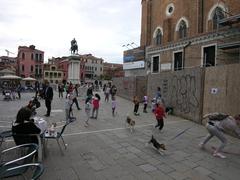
74,69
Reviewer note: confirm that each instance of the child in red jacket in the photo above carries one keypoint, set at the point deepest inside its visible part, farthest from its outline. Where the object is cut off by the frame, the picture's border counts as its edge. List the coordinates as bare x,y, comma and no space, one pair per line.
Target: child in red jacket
159,114
95,104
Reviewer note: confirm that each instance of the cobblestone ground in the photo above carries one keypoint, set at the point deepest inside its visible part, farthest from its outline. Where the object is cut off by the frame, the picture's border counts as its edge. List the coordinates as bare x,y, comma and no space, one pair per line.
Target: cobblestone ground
107,150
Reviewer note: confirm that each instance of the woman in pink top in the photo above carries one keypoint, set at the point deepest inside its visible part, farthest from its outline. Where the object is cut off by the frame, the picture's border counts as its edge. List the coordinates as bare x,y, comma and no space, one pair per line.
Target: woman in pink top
95,103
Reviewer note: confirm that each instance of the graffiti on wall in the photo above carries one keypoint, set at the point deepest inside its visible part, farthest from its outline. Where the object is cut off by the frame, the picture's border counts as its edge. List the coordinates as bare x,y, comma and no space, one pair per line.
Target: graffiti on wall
183,93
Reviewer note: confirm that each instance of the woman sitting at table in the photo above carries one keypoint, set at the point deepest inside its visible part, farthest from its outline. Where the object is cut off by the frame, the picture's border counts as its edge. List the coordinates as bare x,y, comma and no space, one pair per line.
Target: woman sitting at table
24,127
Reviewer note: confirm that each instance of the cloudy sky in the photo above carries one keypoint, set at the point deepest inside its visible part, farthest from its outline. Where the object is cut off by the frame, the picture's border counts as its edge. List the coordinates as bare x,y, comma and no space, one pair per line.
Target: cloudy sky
100,27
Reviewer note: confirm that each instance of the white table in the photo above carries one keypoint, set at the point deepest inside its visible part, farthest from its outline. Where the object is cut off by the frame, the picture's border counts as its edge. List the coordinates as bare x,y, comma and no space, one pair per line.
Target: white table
41,124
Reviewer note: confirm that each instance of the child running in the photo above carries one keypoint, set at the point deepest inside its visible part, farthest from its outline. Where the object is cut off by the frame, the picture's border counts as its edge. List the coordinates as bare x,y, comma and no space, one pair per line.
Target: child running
159,114
136,105
145,103
95,103
87,110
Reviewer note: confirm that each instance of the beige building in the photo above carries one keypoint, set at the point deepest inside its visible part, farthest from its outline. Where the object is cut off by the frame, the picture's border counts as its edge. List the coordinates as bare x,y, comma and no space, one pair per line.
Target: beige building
52,74
93,66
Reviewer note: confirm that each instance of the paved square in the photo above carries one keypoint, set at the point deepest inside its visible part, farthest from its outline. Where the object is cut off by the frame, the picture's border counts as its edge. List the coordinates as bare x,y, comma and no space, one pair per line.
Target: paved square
107,150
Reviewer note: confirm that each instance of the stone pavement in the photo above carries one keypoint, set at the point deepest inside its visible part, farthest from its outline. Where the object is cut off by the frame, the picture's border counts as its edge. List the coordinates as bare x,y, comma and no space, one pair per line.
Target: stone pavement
107,150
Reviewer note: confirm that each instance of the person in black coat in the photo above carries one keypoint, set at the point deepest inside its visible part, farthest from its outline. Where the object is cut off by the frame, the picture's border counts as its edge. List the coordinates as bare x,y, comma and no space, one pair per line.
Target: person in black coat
24,126
48,95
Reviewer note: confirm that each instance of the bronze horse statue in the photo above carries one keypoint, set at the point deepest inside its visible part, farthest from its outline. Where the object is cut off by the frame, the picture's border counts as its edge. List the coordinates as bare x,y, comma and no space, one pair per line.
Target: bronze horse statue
74,47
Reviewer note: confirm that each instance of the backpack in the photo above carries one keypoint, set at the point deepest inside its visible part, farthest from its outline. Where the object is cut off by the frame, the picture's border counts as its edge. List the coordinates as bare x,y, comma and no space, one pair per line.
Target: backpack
217,117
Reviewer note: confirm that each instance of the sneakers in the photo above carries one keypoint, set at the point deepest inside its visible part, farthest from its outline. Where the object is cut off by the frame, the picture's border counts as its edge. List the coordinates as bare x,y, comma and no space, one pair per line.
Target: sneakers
217,154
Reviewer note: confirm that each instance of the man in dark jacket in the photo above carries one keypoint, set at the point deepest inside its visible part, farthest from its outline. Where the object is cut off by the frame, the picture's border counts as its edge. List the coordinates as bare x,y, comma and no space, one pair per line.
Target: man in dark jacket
48,98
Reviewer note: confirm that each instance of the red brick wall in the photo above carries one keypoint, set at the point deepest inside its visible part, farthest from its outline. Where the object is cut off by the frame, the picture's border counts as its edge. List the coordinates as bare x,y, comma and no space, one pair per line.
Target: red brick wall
191,9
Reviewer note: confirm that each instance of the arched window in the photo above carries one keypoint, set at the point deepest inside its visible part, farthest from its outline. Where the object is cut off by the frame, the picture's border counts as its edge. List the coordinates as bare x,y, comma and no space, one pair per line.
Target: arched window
218,15
182,29
158,38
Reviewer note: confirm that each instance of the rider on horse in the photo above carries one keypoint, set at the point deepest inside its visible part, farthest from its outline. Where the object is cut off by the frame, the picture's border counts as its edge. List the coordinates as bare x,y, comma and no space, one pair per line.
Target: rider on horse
74,46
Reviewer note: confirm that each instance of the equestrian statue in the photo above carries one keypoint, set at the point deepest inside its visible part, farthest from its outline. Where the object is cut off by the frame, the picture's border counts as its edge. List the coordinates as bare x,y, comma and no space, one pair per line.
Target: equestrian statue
74,47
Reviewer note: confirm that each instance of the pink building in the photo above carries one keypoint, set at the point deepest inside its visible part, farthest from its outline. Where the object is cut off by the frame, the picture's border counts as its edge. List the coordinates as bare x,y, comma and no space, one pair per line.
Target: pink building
30,62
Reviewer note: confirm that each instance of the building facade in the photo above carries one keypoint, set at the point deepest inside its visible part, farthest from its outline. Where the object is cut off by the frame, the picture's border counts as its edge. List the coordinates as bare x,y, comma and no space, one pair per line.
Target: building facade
93,66
52,74
111,70
189,33
30,62
7,62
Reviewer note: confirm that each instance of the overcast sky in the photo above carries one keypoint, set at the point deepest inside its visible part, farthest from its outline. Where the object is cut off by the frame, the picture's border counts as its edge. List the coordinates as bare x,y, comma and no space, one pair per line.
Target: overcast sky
100,27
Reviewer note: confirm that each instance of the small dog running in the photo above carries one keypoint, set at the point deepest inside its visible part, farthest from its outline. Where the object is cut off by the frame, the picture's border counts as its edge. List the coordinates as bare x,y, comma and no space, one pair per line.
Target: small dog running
130,123
156,145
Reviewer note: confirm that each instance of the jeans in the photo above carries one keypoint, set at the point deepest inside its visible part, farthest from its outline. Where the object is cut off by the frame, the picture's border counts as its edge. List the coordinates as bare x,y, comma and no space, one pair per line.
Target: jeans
214,131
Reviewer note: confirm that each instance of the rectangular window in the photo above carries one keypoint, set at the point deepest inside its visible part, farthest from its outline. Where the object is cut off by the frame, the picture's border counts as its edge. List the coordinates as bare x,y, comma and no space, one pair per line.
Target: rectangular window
59,74
36,57
40,57
95,68
36,69
22,67
178,61
155,64
209,56
46,74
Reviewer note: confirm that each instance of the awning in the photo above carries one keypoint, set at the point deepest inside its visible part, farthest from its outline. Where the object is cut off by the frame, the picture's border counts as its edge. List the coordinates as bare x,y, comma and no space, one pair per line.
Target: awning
29,79
10,77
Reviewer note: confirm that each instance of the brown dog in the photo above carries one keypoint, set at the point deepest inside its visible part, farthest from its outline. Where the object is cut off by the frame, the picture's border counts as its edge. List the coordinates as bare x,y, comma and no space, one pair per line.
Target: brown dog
130,123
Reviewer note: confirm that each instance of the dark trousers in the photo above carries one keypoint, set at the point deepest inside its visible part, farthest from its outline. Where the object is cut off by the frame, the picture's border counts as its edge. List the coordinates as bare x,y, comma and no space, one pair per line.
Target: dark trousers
60,94
48,106
160,124
76,102
145,108
136,106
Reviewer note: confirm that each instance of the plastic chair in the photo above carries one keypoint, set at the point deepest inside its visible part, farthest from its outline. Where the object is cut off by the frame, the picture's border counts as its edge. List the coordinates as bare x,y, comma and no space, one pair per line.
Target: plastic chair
27,152
57,136
36,173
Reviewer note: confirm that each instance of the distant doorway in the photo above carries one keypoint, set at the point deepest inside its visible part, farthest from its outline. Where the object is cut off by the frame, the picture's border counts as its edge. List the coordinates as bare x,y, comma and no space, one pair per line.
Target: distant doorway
178,61
209,56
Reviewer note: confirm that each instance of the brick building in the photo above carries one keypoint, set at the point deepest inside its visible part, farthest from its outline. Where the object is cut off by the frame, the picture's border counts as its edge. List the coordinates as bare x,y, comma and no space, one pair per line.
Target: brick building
189,33
7,62
111,70
30,62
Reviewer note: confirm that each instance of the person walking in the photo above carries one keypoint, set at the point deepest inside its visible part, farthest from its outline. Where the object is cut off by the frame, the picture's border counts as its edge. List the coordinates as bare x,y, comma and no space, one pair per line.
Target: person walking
114,105
68,106
216,125
75,101
107,92
19,87
145,103
48,95
87,110
159,114
136,105
60,90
